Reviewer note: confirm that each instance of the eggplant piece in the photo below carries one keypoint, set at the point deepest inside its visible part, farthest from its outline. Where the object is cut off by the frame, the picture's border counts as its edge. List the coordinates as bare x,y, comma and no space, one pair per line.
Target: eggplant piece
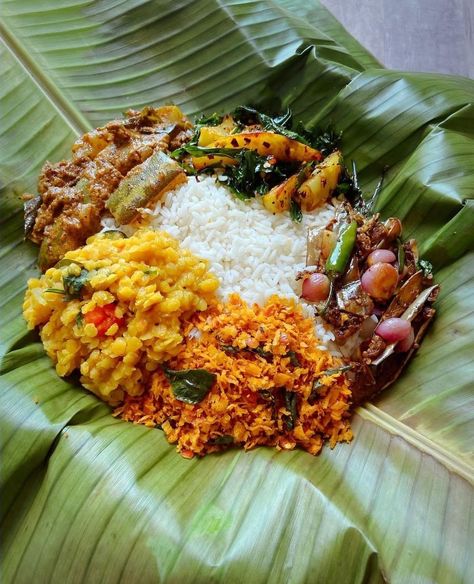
410,314
30,208
405,296
66,233
370,377
142,185
368,381
352,298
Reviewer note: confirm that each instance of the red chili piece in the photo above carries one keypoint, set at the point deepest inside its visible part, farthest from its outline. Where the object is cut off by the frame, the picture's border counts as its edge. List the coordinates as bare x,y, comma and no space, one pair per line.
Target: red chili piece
103,317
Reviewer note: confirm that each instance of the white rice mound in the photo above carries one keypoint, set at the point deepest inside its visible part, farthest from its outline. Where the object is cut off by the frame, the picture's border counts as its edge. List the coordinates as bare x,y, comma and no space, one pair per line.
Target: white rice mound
251,251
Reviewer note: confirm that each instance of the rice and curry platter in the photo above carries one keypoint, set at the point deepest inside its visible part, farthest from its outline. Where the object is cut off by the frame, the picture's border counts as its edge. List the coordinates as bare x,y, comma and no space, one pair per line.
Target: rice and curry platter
224,280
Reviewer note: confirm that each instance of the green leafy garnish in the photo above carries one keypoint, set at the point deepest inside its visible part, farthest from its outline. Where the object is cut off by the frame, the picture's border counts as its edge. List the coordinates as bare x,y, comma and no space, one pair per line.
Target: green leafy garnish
362,203
291,406
266,394
194,150
426,266
230,349
293,359
224,440
258,351
190,385
280,124
247,178
295,211
261,351
73,285
318,385
326,140
213,120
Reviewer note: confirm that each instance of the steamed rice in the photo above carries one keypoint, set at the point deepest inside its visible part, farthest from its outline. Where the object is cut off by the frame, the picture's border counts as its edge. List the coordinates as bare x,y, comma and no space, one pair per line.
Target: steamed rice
253,253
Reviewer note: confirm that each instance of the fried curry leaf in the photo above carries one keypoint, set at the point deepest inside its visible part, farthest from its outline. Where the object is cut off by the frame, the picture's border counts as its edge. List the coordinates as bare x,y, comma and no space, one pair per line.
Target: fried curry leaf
291,406
293,359
190,385
266,394
257,350
326,140
280,124
224,440
213,120
317,384
247,178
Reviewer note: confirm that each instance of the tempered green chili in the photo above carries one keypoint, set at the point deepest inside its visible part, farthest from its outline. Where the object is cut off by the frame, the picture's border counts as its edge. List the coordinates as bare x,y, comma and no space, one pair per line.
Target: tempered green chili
340,255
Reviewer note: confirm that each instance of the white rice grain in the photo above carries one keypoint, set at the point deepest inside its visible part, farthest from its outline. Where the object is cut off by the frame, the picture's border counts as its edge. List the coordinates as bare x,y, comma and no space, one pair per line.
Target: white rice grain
251,251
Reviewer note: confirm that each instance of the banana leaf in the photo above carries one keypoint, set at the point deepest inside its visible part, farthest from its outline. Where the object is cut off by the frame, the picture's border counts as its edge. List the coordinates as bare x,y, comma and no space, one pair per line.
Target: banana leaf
89,498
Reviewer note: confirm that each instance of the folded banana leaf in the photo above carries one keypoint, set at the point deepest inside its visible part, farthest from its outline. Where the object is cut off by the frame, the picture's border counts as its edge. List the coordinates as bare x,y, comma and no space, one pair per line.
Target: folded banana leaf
87,498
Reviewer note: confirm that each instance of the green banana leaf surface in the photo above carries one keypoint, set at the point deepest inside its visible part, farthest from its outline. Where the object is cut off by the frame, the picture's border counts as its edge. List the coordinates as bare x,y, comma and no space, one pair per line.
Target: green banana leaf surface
87,498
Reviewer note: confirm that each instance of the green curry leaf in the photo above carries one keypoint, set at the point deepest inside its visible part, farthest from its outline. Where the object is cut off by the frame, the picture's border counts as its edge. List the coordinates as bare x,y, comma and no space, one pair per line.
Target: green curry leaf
190,385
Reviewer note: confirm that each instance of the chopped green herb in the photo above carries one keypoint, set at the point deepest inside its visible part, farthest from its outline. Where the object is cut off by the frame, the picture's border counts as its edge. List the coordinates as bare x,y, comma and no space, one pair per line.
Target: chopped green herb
364,204
258,351
224,440
313,396
150,272
267,395
230,349
304,173
293,359
261,351
318,385
73,285
195,150
341,369
247,178
213,120
280,124
325,140
190,385
295,211
291,406
426,266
